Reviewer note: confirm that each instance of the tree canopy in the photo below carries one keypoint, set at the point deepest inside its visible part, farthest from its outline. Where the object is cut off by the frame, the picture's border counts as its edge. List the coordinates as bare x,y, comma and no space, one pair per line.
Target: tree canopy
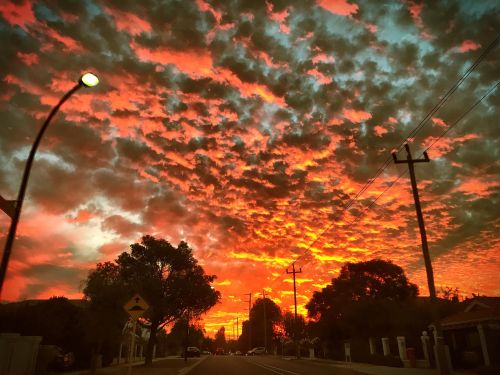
260,328
371,280
220,338
169,279
365,298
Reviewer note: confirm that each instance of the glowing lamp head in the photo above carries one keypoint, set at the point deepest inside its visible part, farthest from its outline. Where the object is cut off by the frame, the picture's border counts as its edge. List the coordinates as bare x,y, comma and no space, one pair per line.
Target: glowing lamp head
89,80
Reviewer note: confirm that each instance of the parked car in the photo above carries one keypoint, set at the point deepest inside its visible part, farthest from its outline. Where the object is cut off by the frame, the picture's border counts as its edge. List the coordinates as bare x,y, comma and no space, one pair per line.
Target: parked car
219,351
193,351
237,352
206,352
257,351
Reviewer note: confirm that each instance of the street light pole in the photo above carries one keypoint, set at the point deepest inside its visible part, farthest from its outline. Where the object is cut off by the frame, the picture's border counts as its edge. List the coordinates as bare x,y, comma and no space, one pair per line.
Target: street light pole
87,80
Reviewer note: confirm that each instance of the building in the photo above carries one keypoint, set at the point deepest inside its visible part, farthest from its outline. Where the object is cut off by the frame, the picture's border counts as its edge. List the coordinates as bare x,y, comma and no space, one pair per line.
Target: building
473,334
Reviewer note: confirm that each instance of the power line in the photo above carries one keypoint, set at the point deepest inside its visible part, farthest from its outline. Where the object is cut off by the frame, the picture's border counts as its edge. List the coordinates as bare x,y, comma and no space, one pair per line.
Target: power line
412,134
453,124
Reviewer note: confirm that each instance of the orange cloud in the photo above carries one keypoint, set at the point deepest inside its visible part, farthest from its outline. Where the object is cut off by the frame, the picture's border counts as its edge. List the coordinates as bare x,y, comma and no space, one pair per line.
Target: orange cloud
469,45
129,22
356,116
18,14
340,7
195,63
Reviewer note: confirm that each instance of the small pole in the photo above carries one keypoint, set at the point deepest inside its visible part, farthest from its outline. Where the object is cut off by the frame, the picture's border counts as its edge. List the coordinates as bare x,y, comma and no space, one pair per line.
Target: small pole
295,325
265,322
249,320
187,337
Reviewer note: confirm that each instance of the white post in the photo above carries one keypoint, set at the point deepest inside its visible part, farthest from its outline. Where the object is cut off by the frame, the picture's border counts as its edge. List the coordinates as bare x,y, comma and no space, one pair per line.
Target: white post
371,341
425,347
347,349
120,353
311,352
402,347
132,348
484,346
385,346
154,351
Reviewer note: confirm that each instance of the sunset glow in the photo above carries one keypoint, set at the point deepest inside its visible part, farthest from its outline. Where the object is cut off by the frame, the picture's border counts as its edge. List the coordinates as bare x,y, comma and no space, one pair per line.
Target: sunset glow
245,129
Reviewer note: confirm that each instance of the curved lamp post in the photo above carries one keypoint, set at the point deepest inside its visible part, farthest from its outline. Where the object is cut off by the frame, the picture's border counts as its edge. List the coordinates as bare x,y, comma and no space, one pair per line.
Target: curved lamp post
86,80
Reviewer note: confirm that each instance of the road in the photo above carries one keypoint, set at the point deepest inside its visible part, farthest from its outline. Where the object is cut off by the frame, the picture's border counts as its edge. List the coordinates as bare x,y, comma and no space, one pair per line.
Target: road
265,365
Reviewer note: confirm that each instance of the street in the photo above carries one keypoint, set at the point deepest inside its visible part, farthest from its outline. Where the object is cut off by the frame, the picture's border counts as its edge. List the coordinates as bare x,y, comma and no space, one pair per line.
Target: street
264,365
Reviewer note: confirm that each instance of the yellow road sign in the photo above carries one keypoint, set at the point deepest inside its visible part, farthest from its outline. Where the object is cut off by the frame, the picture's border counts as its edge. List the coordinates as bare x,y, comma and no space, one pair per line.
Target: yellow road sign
136,306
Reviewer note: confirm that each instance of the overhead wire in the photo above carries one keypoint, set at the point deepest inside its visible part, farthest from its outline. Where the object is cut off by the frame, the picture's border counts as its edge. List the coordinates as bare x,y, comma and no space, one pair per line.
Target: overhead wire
411,135
450,127
388,160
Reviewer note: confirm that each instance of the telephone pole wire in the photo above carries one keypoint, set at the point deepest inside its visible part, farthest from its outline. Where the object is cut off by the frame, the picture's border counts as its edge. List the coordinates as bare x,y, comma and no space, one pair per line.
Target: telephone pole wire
441,359
295,325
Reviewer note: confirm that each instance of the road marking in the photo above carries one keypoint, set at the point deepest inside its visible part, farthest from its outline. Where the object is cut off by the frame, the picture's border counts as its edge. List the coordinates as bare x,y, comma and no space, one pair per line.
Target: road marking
267,368
186,370
274,369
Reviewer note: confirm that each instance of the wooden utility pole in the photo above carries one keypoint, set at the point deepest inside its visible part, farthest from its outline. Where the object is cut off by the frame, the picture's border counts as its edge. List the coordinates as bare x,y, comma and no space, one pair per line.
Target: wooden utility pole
442,362
249,320
186,342
265,322
295,325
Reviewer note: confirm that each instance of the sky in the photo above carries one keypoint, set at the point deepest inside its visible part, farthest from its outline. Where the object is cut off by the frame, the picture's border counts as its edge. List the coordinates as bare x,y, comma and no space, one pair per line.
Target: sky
245,128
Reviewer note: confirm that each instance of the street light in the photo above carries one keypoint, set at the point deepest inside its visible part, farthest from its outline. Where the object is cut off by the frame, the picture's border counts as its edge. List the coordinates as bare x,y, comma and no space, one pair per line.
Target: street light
86,80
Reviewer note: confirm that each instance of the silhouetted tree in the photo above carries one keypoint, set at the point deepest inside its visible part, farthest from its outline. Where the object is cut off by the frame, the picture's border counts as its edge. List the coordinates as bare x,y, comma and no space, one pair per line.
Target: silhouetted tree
365,299
449,293
220,338
273,318
168,278
294,328
272,324
177,336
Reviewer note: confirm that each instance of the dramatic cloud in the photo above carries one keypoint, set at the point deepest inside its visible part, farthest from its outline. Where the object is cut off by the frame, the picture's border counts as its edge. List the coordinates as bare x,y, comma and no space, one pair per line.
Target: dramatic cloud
245,128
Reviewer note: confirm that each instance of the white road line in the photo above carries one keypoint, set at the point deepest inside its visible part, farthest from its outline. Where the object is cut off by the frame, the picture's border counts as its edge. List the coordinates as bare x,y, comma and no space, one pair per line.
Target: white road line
267,368
275,369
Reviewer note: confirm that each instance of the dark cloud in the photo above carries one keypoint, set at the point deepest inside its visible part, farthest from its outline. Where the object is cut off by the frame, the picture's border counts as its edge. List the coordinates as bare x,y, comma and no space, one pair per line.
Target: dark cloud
246,130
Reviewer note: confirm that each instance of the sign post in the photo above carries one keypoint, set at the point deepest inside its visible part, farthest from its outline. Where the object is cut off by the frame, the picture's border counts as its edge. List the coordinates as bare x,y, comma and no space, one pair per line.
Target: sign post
136,307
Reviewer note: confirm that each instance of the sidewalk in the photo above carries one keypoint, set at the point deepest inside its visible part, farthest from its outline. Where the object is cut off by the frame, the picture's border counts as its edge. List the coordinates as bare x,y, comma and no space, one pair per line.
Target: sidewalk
161,366
367,368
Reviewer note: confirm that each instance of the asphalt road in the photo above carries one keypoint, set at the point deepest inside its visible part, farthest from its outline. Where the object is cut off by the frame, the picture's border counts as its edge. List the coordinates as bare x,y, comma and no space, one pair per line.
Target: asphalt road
264,365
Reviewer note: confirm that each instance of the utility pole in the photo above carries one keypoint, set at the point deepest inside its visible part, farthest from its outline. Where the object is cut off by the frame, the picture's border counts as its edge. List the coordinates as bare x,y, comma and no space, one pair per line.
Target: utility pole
442,362
249,320
297,349
265,322
186,342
